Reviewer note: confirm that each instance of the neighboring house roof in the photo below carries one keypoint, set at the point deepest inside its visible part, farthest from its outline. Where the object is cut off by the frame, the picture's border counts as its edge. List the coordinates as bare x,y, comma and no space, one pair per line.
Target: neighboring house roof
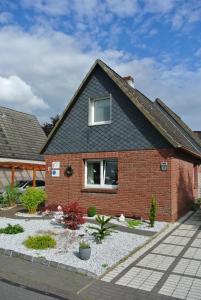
198,133
21,136
171,127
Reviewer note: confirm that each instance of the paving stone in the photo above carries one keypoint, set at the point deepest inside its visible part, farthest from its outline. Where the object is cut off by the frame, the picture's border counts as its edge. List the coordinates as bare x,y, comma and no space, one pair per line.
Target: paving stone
156,261
198,236
196,243
139,278
184,233
188,227
193,222
167,249
188,267
176,240
194,253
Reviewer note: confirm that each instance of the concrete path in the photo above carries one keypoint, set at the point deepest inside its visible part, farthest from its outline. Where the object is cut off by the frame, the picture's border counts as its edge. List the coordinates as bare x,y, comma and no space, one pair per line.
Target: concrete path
171,269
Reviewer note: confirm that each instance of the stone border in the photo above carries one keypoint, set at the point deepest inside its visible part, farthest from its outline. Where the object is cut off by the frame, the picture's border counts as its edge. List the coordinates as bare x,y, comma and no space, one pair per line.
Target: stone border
44,261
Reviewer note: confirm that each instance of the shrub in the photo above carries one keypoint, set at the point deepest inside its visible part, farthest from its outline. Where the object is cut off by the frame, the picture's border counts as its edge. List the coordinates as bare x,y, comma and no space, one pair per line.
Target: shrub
11,195
91,211
153,211
103,230
12,229
32,197
133,223
40,242
84,245
73,215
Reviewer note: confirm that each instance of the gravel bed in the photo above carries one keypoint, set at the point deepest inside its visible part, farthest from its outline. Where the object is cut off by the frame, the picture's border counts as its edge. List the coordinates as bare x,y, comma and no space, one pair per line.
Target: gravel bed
104,255
158,226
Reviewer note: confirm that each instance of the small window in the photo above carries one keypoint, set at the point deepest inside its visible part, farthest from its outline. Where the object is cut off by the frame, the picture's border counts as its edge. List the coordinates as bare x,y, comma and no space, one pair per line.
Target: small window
101,173
100,111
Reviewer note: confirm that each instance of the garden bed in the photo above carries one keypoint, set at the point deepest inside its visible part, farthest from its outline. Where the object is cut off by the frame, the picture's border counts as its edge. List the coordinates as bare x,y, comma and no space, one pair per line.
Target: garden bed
158,225
103,256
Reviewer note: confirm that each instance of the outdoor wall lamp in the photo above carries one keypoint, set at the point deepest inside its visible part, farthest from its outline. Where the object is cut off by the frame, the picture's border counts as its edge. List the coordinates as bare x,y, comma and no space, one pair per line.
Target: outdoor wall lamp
69,171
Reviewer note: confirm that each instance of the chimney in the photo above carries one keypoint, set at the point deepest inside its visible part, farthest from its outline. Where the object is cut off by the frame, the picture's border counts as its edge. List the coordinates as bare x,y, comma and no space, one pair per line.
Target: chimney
130,80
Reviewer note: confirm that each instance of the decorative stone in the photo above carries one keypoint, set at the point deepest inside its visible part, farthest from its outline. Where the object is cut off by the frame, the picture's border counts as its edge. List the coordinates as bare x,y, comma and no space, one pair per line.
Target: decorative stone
122,218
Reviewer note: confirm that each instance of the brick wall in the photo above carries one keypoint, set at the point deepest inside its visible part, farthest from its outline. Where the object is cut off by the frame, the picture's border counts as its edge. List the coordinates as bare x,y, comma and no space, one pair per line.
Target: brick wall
139,177
184,181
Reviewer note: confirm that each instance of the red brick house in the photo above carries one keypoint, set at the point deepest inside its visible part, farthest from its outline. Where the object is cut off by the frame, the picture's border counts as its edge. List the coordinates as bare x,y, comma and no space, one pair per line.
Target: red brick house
113,148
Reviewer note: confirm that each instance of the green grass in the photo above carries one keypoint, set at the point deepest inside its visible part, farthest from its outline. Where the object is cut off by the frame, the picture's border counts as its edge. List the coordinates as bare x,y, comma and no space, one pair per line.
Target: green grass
12,229
134,223
40,242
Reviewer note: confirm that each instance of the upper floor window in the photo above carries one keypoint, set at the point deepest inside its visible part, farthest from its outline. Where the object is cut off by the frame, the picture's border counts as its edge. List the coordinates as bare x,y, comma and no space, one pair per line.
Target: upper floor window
100,111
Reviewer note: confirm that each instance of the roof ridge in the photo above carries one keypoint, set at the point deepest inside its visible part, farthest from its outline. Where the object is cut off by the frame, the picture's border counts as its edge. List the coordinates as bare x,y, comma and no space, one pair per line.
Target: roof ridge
179,121
15,110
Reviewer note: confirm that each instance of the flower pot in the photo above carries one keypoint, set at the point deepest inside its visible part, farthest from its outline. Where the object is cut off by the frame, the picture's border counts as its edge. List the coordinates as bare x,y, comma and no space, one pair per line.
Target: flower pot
84,253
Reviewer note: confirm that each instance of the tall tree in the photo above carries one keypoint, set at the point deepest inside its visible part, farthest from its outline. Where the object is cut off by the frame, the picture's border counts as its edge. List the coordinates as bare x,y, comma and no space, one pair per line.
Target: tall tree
48,126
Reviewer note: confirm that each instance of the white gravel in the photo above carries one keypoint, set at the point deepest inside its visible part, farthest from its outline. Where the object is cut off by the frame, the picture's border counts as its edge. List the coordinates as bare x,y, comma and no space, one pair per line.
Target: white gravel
114,248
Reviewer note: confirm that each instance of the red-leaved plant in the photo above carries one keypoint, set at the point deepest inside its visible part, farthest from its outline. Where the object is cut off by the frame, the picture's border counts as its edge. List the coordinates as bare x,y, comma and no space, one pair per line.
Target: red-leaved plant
73,215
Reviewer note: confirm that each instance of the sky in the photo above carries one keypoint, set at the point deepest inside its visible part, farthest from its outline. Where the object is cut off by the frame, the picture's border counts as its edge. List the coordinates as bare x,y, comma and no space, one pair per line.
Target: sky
47,47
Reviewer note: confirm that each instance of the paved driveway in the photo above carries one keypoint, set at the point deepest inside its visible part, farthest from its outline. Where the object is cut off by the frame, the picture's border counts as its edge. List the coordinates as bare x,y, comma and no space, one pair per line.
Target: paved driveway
171,269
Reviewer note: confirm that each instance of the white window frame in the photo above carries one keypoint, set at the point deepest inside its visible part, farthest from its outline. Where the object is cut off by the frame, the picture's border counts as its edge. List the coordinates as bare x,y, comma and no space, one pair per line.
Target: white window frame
91,111
102,176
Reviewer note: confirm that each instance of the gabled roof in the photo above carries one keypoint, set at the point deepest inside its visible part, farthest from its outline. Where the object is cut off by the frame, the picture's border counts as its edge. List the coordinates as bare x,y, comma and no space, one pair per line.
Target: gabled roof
169,125
21,136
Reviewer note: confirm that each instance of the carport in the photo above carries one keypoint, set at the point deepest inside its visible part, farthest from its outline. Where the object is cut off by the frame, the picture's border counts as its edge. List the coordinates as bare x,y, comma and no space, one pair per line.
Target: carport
14,165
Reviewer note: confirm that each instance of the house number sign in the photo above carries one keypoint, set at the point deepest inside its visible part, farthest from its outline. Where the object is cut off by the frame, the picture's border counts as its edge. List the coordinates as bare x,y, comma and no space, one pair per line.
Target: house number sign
163,166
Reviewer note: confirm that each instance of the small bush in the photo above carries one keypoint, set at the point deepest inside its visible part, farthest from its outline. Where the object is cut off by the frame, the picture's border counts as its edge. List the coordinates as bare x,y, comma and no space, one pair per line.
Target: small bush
91,211
153,211
12,229
32,197
104,228
40,242
11,196
73,215
84,245
133,223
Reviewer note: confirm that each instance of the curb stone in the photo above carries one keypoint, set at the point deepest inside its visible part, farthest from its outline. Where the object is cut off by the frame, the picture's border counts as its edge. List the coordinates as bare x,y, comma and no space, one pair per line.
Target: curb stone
48,263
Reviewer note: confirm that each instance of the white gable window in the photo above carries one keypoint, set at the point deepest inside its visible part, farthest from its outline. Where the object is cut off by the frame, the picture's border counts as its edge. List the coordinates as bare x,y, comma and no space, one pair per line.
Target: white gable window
101,173
100,111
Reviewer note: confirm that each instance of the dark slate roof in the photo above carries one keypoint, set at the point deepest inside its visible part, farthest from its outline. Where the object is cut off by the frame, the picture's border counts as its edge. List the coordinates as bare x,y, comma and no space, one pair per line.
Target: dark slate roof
21,135
172,128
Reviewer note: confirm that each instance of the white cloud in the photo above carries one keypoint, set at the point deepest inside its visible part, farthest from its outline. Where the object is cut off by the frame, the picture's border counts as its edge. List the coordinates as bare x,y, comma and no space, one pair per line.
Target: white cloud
123,8
14,91
50,65
49,7
159,6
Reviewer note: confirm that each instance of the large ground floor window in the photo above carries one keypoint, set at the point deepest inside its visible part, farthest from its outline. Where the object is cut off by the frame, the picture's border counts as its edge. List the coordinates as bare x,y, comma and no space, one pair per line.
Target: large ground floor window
101,173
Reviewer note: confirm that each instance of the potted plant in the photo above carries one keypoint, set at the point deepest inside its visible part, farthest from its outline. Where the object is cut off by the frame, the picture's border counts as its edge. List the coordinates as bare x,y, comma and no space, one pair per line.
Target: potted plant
84,250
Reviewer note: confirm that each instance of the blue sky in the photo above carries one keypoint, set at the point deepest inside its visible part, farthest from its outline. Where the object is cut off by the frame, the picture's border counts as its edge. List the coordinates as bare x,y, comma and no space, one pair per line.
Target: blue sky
47,46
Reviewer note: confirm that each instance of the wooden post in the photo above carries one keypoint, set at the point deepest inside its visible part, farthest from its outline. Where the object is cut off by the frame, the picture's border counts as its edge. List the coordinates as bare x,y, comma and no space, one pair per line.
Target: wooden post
12,177
34,177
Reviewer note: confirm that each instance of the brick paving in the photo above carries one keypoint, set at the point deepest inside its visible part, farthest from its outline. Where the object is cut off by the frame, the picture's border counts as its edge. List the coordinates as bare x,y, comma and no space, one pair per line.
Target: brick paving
170,269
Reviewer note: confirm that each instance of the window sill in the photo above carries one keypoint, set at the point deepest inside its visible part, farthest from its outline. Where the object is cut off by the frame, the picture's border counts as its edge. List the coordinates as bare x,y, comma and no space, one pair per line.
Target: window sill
98,124
99,190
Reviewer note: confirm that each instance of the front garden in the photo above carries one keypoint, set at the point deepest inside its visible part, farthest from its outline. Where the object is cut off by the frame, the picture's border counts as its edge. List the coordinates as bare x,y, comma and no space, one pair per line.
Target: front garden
71,237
